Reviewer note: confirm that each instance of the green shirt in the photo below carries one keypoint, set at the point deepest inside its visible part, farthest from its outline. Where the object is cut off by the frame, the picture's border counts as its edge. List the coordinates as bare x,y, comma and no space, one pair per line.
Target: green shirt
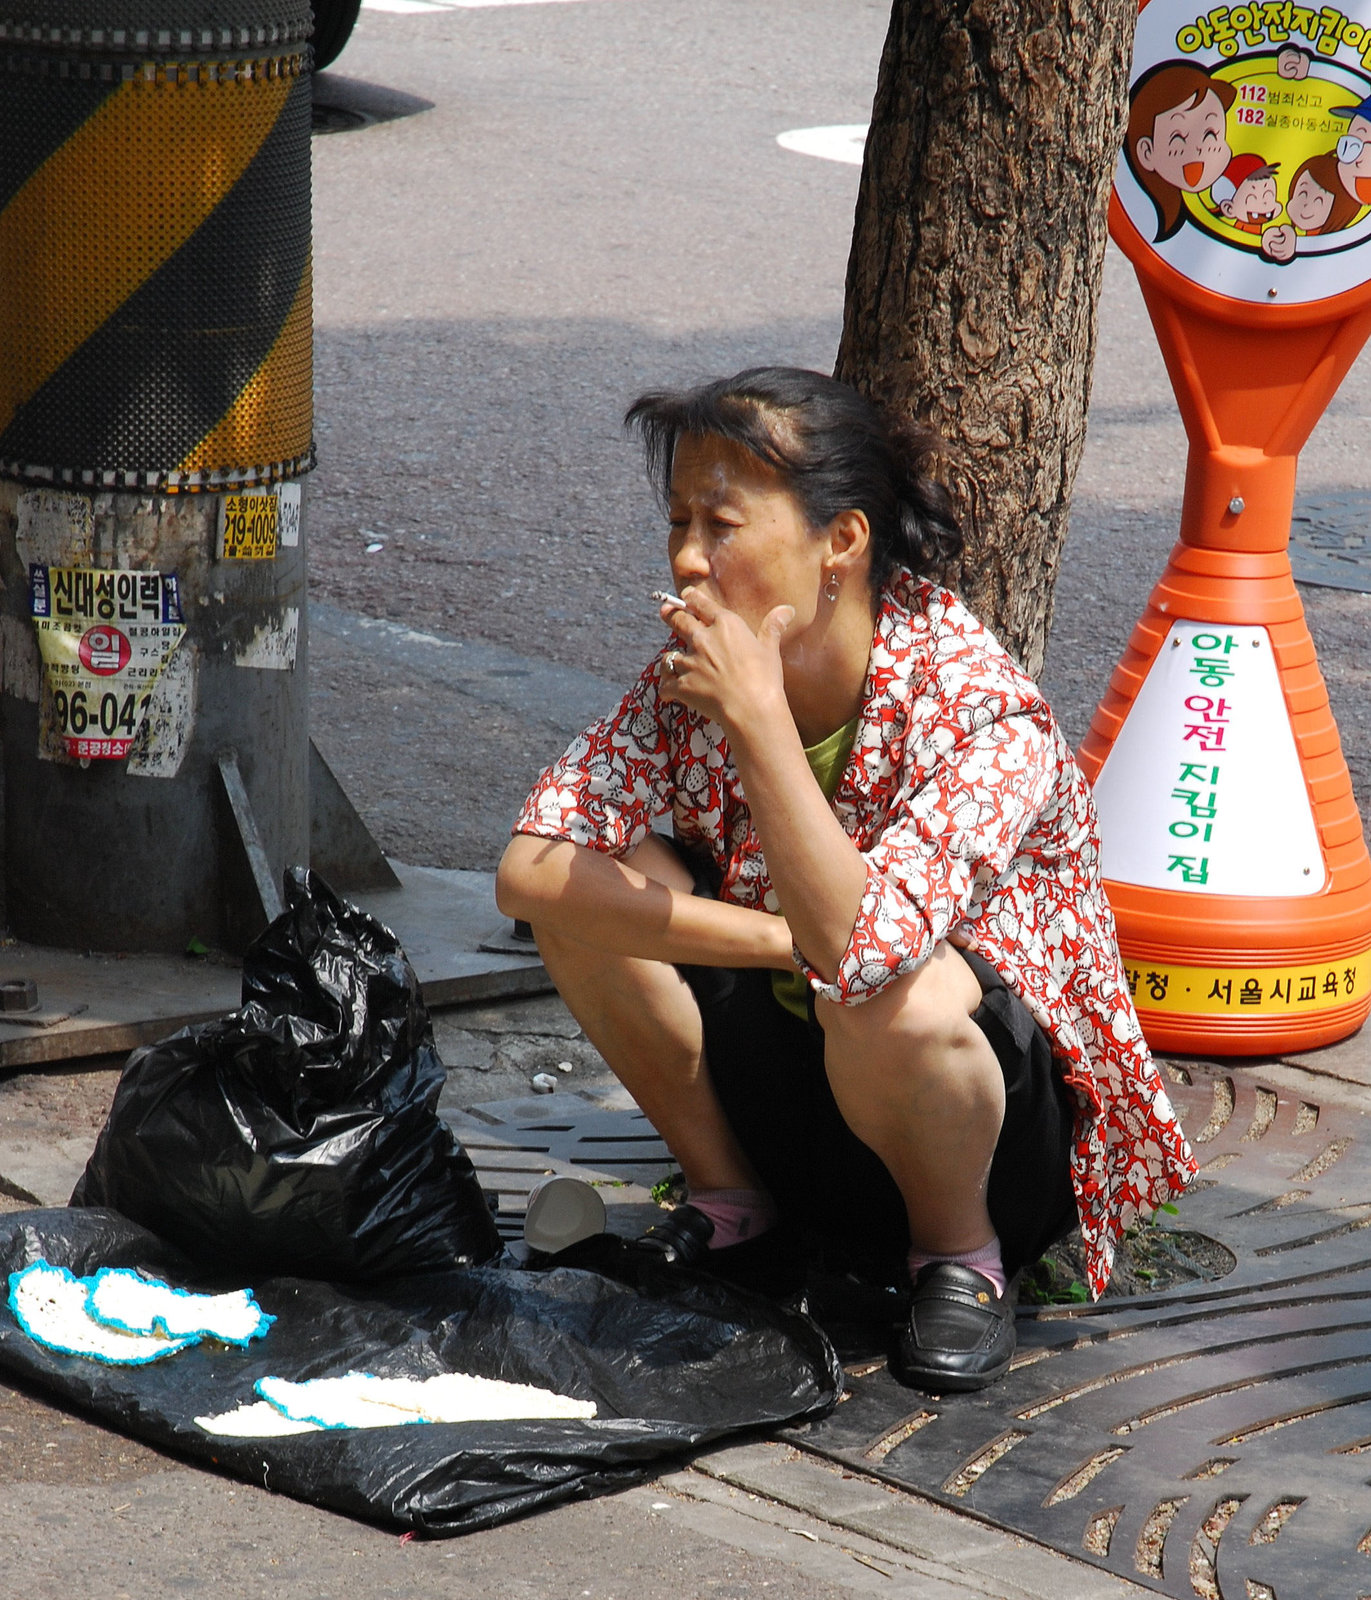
827,759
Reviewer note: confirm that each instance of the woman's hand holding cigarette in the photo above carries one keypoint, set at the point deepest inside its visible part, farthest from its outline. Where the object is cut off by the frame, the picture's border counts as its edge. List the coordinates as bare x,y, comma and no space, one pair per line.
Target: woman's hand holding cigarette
722,669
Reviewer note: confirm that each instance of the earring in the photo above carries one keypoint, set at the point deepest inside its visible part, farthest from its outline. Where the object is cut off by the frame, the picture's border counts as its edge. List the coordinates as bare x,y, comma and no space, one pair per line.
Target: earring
832,588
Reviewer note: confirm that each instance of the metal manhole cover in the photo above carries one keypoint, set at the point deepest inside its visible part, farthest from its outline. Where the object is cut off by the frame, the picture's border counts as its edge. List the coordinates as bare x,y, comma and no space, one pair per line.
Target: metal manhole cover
1330,541
1214,1440
515,1143
341,105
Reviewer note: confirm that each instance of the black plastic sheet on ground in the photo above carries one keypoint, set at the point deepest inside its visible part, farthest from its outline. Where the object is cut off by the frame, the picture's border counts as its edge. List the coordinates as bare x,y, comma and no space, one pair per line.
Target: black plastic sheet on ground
670,1362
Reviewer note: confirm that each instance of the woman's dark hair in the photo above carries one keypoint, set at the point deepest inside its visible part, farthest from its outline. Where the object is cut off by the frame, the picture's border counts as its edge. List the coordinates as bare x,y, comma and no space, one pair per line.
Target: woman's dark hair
833,448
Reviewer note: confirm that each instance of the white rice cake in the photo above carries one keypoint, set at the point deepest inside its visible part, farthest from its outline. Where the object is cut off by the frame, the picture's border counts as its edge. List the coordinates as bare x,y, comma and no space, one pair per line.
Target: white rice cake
258,1421
361,1400
124,1299
51,1306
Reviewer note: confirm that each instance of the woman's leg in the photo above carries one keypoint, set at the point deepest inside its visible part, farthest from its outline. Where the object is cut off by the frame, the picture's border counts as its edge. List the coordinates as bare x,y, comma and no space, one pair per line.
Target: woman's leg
917,1081
642,1018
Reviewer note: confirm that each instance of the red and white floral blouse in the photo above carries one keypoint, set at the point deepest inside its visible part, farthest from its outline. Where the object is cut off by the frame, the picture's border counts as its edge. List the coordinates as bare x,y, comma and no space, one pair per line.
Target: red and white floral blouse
975,822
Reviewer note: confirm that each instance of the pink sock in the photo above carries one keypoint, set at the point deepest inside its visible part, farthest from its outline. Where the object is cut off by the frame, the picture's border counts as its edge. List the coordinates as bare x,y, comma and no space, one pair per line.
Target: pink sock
986,1261
737,1214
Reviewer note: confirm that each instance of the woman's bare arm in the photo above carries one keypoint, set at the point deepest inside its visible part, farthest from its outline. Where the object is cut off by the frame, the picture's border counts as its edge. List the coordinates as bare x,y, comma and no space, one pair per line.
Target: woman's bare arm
818,873
735,677
639,907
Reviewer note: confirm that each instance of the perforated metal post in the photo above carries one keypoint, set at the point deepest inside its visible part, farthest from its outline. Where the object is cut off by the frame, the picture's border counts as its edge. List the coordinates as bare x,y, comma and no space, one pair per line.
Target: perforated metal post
155,412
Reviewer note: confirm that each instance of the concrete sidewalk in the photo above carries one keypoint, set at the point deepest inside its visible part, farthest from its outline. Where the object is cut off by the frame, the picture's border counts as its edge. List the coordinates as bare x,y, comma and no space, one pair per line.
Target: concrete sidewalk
81,1506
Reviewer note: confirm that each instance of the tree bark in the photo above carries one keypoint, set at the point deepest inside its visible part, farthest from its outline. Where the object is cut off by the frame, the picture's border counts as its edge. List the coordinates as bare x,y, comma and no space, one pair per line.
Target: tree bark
976,260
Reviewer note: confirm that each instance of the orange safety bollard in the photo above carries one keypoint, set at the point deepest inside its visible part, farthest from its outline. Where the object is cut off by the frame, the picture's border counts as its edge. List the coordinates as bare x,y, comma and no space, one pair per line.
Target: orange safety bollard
1232,847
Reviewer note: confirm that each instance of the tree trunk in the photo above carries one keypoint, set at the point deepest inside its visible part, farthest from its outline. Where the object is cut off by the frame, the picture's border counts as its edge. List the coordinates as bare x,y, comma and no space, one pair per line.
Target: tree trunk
976,259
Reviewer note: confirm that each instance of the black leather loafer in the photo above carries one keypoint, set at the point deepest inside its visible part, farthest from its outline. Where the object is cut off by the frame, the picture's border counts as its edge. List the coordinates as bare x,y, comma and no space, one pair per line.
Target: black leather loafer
960,1333
772,1264
680,1237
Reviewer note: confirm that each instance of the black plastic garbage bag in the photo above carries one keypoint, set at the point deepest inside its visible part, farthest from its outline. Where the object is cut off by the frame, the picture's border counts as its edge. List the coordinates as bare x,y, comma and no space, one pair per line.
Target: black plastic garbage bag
670,1361
300,1134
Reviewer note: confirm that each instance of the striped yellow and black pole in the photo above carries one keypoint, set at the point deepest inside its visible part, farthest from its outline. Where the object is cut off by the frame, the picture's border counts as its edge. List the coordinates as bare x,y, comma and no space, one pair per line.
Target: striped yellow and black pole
155,408
155,319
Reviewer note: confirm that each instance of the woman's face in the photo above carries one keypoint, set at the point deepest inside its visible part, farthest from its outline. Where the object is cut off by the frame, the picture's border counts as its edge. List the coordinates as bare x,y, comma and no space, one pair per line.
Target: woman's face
737,532
1189,145
1309,203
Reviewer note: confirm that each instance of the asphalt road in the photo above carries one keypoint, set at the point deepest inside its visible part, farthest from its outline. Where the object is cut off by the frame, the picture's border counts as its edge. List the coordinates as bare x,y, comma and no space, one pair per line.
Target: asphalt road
590,201
594,204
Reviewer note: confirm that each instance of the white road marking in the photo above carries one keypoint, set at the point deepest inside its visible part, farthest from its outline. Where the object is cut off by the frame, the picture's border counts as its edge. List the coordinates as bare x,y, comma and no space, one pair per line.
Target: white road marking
844,142
407,7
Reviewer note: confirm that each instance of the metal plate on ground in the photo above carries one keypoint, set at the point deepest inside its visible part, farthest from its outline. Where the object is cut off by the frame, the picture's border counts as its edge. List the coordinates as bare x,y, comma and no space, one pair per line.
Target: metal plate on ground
1214,1440
342,105
514,1144
93,1004
1330,540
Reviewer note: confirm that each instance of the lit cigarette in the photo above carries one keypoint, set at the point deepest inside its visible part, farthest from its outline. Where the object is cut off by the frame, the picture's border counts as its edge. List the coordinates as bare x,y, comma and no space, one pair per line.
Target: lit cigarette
664,597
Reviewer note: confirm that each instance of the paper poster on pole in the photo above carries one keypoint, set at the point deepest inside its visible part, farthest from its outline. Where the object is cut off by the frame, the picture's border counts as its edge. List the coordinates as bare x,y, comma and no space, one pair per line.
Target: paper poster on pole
257,524
105,637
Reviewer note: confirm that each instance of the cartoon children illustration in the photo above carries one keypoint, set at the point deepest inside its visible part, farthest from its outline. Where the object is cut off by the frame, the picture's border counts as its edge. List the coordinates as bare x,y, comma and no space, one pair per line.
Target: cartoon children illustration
1318,202
1177,144
1177,140
1245,193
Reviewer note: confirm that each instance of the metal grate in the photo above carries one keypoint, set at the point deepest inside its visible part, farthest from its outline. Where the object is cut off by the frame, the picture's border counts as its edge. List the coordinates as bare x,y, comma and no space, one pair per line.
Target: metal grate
515,1143
1214,1440
1330,540
1211,1441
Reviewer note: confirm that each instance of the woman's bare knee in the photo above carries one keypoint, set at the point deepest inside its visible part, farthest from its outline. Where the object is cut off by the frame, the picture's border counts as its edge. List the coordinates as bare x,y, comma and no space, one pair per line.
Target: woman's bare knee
926,1010
656,859
545,882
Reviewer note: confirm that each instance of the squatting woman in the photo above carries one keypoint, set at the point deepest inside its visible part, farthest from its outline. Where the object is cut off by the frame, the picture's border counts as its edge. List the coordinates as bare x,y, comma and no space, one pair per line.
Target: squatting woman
824,891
